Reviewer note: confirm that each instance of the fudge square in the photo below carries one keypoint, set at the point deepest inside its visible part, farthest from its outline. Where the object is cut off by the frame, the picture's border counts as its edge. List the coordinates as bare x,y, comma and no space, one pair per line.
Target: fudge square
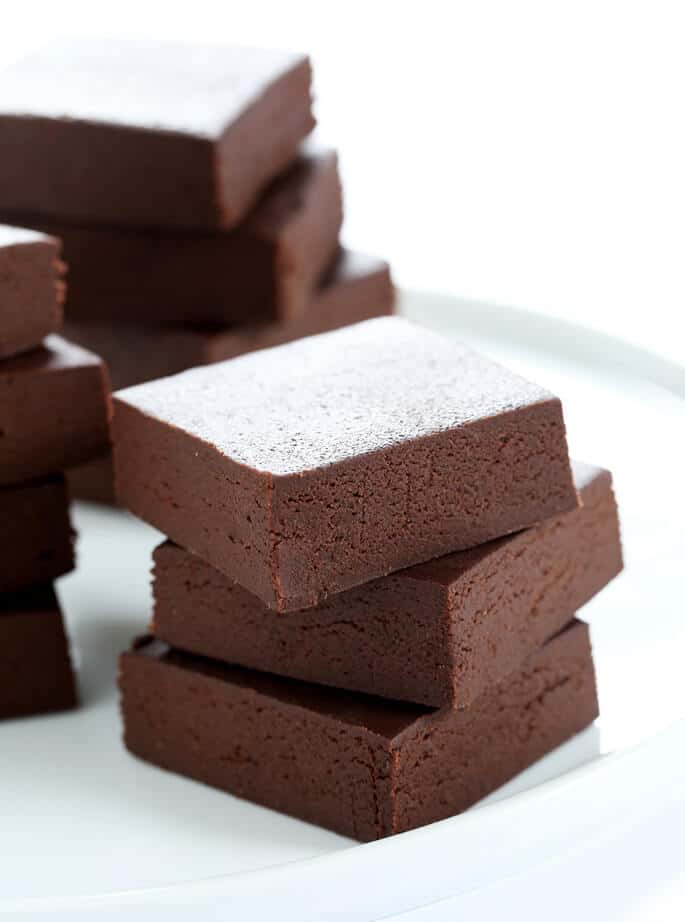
436,634
265,269
55,410
31,288
35,533
357,287
316,466
362,766
148,133
35,668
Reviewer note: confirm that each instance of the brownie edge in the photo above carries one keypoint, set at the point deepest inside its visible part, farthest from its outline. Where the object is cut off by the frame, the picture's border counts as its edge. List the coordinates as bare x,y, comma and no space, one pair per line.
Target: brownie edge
35,533
36,675
361,766
31,289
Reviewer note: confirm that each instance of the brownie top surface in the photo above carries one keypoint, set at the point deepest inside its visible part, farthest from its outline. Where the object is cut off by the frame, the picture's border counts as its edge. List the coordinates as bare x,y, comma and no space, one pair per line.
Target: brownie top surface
18,236
54,355
329,398
380,716
183,88
584,475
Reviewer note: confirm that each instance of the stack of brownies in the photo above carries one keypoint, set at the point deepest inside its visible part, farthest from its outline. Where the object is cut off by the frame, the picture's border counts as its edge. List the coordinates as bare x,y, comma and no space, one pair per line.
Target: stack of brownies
365,614
197,220
54,413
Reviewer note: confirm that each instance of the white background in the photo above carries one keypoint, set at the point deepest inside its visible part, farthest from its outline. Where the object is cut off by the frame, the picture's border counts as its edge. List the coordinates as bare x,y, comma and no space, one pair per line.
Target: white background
526,153
531,154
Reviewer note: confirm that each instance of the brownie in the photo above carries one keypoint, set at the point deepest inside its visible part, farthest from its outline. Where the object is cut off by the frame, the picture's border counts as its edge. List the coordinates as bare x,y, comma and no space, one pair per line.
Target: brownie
356,288
31,288
313,467
148,133
263,270
436,634
362,766
55,409
35,669
35,533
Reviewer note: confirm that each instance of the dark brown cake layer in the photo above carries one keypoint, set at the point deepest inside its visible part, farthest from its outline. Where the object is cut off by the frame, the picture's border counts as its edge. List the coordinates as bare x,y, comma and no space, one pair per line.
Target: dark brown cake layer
35,669
263,270
362,766
148,133
55,409
436,634
35,533
317,466
357,288
31,289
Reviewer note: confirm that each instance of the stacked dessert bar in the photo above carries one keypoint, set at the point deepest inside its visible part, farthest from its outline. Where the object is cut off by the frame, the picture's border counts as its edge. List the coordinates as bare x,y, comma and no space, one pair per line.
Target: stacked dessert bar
197,220
365,614
54,413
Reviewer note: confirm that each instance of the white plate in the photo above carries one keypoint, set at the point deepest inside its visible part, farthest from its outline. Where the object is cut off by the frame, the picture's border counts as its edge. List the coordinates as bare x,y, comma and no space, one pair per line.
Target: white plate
84,827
